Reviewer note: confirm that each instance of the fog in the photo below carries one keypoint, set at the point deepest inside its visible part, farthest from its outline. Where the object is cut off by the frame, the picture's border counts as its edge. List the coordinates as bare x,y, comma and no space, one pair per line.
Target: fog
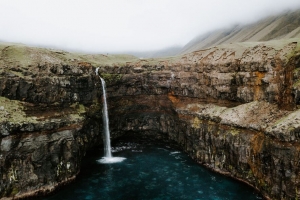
125,25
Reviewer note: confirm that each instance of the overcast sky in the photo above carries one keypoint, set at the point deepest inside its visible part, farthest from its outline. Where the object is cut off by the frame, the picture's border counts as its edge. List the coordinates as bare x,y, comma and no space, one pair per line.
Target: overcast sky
125,25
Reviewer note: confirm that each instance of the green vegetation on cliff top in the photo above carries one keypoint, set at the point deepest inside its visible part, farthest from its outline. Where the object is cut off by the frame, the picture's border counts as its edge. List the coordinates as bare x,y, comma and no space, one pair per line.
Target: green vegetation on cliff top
22,56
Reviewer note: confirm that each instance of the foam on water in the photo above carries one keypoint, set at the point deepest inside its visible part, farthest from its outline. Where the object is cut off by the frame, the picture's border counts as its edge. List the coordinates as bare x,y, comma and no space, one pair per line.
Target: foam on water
175,152
109,160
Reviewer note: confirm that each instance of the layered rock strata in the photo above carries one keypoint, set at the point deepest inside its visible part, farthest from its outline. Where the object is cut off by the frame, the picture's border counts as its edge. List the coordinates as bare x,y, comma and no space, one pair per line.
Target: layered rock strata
234,109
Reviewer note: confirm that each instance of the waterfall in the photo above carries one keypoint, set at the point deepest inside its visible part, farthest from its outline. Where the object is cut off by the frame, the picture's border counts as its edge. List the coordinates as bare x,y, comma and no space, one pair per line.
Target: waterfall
108,158
106,135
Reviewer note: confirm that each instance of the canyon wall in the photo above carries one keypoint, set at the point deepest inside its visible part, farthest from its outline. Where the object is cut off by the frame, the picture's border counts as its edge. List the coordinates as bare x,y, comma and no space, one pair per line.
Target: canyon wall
234,109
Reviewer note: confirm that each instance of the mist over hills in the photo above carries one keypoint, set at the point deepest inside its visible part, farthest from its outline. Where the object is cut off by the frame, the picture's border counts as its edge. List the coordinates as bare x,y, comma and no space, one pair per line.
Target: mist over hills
282,26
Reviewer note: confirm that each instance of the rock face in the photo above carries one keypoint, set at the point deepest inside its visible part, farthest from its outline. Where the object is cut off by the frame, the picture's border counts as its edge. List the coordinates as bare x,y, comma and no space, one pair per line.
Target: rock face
234,109
46,132
50,110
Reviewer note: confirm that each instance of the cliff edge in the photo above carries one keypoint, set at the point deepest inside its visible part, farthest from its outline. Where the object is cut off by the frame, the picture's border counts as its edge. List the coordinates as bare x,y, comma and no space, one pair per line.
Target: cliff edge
233,108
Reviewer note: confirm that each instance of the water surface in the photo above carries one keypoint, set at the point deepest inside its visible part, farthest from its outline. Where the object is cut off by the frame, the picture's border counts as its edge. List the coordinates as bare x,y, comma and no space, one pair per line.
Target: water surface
151,171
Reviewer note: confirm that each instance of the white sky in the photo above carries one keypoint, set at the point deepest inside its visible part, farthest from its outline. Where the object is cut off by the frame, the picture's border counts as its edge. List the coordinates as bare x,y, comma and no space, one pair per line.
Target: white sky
125,25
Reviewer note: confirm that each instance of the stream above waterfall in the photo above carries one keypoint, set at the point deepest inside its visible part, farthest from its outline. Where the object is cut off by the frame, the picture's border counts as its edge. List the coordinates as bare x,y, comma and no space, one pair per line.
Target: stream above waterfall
152,170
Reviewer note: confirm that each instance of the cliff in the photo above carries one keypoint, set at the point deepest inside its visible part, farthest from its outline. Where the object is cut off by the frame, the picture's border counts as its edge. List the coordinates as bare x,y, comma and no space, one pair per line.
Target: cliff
233,108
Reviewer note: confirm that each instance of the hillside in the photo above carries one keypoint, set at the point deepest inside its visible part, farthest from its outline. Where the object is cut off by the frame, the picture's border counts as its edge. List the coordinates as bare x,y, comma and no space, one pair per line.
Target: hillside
281,26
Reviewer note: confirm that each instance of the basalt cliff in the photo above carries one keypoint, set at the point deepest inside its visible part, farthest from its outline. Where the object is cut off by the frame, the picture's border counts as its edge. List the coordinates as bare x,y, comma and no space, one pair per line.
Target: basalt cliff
233,108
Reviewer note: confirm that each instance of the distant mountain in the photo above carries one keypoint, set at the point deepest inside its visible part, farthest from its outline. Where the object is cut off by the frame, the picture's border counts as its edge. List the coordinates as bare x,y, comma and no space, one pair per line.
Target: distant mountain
286,25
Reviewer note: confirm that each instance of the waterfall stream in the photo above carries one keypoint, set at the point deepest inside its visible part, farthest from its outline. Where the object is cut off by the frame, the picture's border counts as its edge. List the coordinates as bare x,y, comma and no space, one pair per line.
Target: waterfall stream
106,135
108,158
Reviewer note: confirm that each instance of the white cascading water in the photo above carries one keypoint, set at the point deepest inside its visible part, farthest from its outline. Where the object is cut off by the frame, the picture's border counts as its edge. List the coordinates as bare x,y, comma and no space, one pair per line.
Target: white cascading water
108,158
106,138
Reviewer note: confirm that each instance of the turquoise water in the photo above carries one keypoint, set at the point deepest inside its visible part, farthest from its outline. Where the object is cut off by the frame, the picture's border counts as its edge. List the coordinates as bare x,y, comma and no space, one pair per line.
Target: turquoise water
151,171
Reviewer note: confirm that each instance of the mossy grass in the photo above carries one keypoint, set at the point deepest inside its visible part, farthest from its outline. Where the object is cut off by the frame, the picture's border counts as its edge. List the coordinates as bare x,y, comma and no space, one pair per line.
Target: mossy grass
21,55
111,78
14,112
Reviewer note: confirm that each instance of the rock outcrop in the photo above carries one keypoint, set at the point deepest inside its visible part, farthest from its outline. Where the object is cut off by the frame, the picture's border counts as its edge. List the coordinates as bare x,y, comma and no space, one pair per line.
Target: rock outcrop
50,110
234,109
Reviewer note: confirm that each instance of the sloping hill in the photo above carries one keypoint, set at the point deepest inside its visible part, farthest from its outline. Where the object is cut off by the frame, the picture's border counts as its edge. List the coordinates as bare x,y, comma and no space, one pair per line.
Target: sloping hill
282,26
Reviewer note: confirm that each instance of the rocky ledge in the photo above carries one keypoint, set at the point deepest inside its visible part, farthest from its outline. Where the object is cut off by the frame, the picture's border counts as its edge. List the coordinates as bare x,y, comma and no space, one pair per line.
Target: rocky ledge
233,108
